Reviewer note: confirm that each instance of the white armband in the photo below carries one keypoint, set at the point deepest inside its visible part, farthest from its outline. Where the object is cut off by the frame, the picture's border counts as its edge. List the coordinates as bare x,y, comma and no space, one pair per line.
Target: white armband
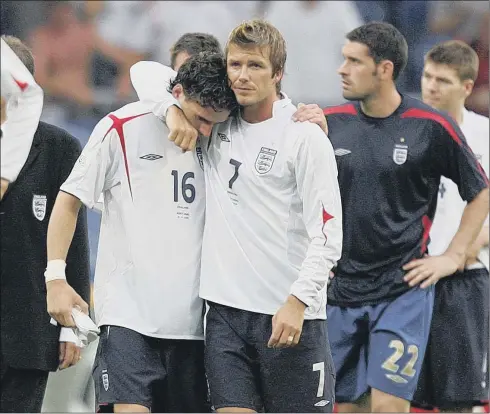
55,270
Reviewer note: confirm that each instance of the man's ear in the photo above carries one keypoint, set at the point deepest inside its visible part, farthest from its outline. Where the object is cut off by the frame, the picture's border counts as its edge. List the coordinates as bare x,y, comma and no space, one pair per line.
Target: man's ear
468,85
278,76
386,69
177,91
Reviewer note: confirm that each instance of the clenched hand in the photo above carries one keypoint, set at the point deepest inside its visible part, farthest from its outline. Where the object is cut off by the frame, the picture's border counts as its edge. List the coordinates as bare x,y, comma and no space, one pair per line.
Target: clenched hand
61,299
182,133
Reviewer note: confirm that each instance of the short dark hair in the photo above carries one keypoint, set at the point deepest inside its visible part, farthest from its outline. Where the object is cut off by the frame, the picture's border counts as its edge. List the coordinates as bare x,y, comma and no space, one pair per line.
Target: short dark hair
193,44
385,42
457,55
204,80
23,52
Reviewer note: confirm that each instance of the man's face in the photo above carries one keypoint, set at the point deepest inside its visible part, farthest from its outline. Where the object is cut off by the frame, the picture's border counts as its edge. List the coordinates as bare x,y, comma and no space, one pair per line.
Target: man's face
201,118
250,74
180,59
442,88
358,71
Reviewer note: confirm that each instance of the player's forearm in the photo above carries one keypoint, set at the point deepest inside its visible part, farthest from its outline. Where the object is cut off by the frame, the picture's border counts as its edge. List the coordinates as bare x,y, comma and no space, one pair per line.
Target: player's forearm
314,274
474,216
157,90
62,226
481,240
316,177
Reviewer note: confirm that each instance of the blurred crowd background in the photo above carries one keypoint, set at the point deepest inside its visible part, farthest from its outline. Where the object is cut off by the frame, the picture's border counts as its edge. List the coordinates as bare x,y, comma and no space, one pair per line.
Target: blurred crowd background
84,49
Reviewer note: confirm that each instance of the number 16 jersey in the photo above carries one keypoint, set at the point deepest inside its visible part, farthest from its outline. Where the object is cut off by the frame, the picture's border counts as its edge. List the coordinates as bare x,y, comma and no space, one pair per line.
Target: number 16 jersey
148,264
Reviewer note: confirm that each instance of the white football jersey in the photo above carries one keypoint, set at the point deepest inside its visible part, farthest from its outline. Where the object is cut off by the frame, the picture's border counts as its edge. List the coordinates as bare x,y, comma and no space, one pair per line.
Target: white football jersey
273,214
450,205
148,263
24,100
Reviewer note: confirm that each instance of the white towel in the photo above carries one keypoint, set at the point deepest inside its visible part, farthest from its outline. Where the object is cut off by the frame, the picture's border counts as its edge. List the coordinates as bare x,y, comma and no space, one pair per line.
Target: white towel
85,331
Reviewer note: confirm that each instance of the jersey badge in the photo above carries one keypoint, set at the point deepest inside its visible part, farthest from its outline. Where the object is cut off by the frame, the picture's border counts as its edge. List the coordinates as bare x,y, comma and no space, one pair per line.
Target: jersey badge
400,153
39,203
265,160
105,379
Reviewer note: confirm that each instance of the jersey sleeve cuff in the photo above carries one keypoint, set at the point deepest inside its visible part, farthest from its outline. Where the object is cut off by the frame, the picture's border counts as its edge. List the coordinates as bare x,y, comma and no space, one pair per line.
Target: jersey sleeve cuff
475,192
303,296
84,200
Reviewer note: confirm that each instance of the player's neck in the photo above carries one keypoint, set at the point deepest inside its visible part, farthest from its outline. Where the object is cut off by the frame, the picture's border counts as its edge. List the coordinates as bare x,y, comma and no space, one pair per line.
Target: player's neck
261,111
383,104
457,114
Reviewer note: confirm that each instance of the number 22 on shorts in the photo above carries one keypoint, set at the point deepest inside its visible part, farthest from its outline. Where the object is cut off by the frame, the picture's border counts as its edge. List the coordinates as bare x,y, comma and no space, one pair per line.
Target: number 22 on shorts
391,365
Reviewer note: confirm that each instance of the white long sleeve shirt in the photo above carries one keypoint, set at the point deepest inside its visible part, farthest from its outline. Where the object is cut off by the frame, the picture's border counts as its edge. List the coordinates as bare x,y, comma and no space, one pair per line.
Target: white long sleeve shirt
24,106
273,214
273,211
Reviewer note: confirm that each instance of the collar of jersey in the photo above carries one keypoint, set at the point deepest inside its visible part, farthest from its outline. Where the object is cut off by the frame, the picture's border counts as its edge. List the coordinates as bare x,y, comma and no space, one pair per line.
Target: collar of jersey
277,107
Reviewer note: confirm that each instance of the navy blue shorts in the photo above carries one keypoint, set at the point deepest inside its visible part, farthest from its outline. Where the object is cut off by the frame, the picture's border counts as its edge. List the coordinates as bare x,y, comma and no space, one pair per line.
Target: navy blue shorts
455,370
243,372
165,375
380,346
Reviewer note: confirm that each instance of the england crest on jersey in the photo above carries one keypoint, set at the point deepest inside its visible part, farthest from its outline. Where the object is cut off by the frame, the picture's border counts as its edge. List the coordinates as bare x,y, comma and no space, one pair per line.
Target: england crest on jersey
265,160
39,203
400,153
105,380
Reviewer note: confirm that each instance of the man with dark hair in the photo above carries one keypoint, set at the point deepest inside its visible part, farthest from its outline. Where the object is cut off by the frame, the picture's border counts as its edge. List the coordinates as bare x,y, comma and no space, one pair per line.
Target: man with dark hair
151,350
455,372
191,44
31,347
391,153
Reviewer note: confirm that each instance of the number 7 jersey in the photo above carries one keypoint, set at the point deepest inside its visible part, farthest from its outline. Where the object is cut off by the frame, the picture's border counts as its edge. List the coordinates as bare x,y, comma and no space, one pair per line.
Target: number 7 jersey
273,214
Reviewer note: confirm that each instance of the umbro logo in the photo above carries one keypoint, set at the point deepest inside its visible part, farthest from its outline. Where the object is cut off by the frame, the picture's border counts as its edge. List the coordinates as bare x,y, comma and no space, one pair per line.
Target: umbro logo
223,137
151,157
342,151
322,403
